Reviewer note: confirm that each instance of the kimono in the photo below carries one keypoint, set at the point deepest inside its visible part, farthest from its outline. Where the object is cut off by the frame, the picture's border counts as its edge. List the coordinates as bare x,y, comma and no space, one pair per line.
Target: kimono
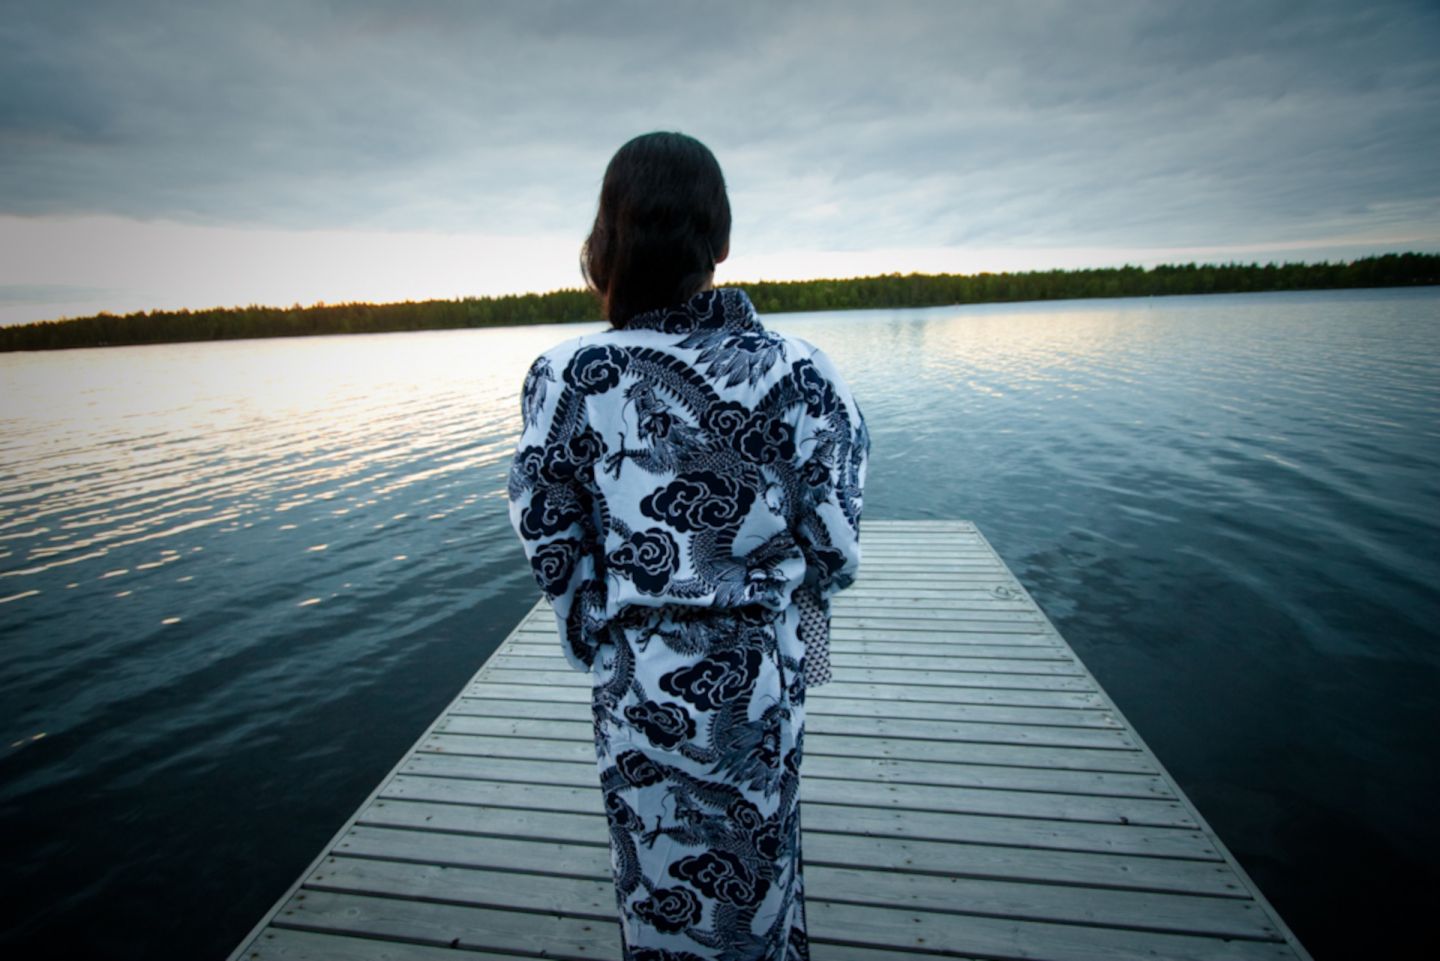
679,487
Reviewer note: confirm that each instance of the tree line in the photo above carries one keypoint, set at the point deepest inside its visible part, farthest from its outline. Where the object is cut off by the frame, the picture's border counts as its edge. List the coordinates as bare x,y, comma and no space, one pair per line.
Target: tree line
564,306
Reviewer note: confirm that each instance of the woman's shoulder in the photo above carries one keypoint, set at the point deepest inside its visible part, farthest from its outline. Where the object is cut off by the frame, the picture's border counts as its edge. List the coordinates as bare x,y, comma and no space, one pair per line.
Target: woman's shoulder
799,347
561,357
610,337
808,355
566,349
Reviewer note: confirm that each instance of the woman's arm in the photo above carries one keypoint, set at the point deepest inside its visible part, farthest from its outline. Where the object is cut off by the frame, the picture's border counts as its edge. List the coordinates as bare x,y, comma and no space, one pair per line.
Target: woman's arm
833,445
551,507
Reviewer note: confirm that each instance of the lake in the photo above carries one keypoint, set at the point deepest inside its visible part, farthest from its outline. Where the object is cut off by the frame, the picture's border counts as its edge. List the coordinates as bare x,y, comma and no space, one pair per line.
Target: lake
239,579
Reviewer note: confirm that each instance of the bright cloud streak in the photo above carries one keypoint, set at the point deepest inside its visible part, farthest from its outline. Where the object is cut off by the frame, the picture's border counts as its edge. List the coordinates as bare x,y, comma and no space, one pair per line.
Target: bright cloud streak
123,265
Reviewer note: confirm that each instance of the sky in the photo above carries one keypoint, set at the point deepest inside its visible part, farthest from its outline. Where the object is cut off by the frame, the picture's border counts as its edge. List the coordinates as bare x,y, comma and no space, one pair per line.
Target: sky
195,154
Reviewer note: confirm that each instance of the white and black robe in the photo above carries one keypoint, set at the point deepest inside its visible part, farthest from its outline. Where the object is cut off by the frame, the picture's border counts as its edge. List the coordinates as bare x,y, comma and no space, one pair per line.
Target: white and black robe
676,484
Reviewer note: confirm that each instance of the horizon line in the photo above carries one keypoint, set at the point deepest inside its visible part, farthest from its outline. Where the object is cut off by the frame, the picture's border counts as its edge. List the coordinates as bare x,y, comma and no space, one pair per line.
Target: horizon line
560,291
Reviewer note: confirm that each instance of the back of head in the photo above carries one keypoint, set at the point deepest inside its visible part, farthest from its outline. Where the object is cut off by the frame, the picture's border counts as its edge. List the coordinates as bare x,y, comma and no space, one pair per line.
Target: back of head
663,222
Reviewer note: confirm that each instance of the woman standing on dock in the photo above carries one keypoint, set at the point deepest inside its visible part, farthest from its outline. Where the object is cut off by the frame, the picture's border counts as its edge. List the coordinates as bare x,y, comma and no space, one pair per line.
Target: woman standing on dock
688,487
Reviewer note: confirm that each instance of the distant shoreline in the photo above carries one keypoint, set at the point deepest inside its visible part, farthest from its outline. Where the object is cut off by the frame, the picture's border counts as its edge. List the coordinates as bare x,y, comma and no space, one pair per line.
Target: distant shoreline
769,297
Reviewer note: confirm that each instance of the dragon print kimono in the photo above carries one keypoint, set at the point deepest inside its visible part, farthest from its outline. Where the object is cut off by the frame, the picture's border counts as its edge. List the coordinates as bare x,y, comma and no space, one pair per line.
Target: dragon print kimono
678,485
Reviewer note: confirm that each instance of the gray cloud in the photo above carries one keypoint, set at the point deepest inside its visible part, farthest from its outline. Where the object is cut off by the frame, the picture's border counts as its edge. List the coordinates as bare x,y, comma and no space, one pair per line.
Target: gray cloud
845,125
33,294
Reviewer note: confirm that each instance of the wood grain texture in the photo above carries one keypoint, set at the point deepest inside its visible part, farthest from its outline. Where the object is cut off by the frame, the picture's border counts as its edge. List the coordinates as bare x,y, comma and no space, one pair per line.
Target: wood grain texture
969,792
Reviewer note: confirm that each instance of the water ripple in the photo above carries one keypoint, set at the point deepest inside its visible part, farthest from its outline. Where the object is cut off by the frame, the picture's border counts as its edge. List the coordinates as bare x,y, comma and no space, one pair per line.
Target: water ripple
237,579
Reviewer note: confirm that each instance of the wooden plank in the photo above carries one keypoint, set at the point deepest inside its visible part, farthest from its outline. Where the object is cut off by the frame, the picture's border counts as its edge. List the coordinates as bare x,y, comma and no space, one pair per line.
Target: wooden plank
1018,675
902,700
876,552
1047,757
843,748
962,613
920,532
899,581
569,857
1015,680
547,894
908,591
963,800
878,558
932,527
925,654
520,728
576,859
969,791
951,639
513,810
922,559
994,777
919,640
994,625
1044,661
900,547
292,944
873,561
850,718
842,737
918,657
481,793
934,932
1049,659
918,668
541,893
888,787
983,713
989,581
521,748
571,773
928,770
936,652
823,950
927,559
451,925
478,820
928,568
503,701
1186,844
1136,910
1092,744
861,591
940,608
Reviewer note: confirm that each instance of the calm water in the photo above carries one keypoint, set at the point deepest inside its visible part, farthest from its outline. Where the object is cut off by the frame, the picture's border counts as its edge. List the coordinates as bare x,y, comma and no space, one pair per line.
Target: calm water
238,580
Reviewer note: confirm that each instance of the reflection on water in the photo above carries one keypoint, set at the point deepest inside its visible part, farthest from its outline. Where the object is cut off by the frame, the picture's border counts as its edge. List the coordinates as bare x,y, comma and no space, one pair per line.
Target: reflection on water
1230,507
238,579
123,468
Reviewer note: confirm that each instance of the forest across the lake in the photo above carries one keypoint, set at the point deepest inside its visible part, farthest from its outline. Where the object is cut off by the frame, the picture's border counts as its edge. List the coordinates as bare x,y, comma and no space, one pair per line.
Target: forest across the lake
563,306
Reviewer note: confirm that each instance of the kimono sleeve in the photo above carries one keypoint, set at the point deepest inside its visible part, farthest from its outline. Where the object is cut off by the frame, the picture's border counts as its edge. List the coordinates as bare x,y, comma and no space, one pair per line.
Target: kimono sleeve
834,446
551,506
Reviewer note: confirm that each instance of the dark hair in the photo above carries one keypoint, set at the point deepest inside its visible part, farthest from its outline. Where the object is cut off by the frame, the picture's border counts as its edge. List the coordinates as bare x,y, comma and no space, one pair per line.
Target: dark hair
663,219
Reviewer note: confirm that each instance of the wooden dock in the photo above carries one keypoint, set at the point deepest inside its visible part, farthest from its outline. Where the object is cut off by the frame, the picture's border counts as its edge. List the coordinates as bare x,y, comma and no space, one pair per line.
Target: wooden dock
969,791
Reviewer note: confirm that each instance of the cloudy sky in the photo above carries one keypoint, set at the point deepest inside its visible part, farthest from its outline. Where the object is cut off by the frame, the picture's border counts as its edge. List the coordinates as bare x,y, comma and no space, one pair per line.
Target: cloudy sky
195,154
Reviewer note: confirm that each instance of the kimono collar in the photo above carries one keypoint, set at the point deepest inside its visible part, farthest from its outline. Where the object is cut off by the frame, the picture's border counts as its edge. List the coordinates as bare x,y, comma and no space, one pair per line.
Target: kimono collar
726,308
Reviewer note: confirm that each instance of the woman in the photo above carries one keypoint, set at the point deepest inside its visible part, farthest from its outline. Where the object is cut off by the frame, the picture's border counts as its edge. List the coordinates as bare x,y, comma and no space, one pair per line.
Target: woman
686,484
